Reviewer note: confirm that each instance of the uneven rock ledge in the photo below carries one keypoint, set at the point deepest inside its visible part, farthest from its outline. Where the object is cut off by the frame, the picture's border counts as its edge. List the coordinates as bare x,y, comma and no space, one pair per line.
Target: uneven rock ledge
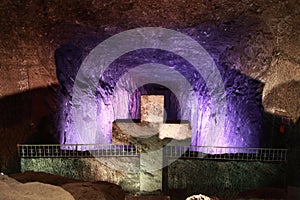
41,186
78,189
12,189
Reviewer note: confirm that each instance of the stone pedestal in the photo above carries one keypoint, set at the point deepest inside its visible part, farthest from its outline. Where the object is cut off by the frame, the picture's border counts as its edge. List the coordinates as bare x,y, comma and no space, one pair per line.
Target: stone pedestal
151,171
150,134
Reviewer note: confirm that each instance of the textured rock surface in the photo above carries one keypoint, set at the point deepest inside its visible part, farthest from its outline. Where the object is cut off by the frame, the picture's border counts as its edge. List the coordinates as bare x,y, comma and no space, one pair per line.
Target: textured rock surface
78,189
109,189
121,171
200,197
243,113
152,123
223,179
12,189
152,108
122,131
260,38
141,135
180,131
93,191
284,99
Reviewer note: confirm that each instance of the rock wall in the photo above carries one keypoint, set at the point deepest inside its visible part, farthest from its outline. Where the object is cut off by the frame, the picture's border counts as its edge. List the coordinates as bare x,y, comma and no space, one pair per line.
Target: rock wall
118,170
267,50
223,179
190,176
12,189
117,92
29,40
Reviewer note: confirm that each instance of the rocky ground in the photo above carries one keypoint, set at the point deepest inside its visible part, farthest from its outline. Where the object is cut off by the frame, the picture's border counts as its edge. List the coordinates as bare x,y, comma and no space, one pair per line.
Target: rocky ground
35,185
12,189
78,189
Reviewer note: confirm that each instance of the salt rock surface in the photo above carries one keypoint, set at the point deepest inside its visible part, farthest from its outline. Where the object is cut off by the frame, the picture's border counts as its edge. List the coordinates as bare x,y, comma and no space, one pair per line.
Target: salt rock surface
200,197
11,189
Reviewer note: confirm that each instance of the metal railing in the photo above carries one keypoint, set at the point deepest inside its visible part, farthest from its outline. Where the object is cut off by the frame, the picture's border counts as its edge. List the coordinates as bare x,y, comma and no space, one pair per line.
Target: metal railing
227,153
75,150
189,152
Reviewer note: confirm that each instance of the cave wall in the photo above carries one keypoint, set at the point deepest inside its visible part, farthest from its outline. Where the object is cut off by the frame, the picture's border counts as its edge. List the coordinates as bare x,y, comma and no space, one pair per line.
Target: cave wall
223,179
32,31
106,169
243,117
190,176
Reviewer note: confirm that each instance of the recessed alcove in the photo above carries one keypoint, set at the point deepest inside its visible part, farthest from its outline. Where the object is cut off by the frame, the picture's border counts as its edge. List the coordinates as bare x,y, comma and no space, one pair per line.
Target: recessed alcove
253,83
116,100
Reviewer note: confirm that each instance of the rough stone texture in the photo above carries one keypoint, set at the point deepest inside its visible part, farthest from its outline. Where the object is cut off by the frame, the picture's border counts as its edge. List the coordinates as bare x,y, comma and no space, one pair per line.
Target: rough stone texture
285,98
113,192
223,179
122,131
121,171
12,189
151,172
94,191
151,147
199,197
152,108
115,94
80,190
180,131
31,31
151,126
145,143
152,123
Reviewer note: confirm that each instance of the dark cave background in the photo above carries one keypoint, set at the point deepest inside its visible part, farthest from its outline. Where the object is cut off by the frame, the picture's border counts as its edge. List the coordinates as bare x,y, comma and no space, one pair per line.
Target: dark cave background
255,41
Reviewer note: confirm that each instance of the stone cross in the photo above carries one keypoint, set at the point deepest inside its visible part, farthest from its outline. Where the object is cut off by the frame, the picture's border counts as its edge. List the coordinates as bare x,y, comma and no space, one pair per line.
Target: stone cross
150,134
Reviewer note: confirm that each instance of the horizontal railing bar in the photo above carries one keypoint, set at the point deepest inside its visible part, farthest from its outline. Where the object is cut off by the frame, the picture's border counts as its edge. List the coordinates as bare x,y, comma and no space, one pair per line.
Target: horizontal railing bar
166,146
227,153
75,150
104,150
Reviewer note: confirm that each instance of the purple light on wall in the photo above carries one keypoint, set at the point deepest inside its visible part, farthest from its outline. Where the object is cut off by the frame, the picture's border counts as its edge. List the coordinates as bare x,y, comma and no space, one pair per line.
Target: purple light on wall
244,108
